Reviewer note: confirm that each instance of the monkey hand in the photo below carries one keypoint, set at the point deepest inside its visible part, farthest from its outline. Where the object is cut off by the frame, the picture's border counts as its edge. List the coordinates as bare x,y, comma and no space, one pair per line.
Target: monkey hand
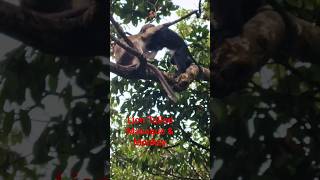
149,56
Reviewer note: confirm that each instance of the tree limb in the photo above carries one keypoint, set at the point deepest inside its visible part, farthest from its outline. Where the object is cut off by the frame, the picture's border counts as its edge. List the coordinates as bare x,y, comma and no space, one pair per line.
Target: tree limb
262,38
120,31
82,35
165,25
179,83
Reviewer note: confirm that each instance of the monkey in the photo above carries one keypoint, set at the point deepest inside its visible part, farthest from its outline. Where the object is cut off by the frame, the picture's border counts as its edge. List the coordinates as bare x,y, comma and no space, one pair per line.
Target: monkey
145,27
125,58
151,39
231,15
140,42
149,54
166,38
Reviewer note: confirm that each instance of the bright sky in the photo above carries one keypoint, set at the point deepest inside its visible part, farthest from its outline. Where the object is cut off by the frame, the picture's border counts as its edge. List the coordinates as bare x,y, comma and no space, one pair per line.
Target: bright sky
189,4
185,4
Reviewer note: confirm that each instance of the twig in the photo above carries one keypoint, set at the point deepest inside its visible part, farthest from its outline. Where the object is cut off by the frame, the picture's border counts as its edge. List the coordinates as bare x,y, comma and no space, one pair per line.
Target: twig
168,175
175,145
121,32
185,134
299,74
180,19
199,10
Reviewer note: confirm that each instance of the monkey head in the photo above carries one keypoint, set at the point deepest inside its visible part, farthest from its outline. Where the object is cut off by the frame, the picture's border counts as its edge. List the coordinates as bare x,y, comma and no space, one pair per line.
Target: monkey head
145,27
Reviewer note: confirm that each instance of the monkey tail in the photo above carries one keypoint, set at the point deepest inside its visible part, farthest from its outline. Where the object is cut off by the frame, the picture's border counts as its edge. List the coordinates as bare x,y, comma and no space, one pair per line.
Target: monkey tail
195,62
164,83
199,67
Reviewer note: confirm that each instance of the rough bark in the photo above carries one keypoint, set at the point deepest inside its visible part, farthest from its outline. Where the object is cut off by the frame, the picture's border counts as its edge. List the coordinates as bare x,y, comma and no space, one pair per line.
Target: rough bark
179,83
83,34
263,37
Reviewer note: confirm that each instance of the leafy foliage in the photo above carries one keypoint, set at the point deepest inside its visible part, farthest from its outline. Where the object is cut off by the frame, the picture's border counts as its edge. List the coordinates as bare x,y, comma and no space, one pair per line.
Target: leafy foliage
183,158
134,11
32,81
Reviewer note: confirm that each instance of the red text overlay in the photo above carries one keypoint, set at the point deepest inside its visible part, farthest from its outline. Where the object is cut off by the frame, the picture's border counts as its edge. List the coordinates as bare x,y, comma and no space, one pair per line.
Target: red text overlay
164,129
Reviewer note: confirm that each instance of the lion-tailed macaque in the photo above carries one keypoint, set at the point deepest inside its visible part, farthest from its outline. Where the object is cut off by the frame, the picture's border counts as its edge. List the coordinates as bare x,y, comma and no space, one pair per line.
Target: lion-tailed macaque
140,42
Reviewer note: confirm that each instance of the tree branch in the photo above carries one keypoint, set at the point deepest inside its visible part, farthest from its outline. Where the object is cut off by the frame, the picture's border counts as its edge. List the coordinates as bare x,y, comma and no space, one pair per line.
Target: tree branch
120,31
165,25
179,83
262,37
81,35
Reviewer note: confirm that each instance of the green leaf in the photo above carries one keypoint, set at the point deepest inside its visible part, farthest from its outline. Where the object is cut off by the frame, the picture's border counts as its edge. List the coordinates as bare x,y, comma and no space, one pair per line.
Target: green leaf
8,122
77,166
25,122
53,83
219,109
41,149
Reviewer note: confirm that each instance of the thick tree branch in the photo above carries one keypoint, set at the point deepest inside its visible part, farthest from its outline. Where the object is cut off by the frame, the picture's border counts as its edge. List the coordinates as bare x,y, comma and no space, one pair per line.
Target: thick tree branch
307,45
179,83
191,74
262,37
81,35
239,57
